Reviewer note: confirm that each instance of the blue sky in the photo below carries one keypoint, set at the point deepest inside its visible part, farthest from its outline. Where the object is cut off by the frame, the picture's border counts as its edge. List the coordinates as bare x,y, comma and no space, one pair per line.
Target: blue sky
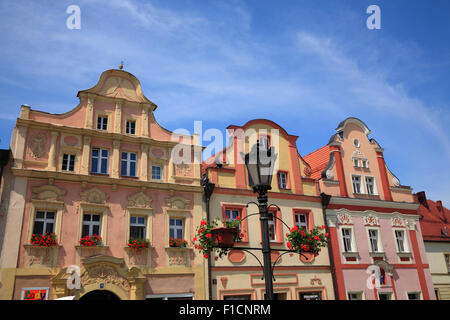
306,65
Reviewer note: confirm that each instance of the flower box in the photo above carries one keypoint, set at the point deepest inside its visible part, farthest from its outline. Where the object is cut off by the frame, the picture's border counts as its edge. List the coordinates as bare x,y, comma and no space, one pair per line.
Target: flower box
223,237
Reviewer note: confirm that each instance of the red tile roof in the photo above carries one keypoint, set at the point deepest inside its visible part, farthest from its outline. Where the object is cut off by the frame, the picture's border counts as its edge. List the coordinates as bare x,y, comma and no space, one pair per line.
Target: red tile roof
435,222
318,160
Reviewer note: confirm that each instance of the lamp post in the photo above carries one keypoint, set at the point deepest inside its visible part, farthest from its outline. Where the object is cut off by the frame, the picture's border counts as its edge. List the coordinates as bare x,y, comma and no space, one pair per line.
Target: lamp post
260,165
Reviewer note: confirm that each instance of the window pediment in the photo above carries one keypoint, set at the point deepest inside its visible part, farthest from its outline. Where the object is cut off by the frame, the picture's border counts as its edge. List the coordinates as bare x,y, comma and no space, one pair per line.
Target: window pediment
139,200
94,195
177,202
48,193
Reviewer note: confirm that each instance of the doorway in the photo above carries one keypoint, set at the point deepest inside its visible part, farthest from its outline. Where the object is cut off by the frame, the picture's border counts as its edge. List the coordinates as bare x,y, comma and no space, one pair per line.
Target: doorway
100,295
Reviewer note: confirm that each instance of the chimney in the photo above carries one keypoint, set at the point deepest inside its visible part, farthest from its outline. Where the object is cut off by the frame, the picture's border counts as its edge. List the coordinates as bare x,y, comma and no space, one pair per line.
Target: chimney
440,208
422,198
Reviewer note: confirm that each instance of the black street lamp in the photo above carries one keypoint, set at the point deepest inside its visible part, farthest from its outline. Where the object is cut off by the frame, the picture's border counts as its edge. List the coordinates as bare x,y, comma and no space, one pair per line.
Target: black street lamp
260,165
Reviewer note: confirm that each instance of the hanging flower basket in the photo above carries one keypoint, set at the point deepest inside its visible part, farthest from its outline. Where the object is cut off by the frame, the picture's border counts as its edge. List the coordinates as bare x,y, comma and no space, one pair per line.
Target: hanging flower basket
210,237
302,241
223,237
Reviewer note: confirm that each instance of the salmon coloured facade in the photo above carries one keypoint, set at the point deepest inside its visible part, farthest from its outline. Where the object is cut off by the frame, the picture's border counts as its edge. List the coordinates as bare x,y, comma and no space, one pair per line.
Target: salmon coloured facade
104,168
376,241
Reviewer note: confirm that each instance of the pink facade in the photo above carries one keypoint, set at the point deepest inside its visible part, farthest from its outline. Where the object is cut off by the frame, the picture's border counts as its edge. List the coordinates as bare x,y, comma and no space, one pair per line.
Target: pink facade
376,242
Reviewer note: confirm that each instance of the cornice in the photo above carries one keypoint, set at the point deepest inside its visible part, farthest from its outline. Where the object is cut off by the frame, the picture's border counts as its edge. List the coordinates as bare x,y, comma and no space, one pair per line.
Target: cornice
103,180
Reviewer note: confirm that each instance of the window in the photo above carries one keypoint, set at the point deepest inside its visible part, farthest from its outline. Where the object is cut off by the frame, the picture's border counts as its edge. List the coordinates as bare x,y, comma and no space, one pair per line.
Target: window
413,296
356,163
91,225
447,260
365,163
44,221
301,221
99,161
373,238
232,214
310,295
130,127
176,228
272,226
385,296
282,180
370,185
356,142
137,227
354,296
102,123
382,276
347,238
128,165
171,296
237,297
356,181
156,173
68,162
400,237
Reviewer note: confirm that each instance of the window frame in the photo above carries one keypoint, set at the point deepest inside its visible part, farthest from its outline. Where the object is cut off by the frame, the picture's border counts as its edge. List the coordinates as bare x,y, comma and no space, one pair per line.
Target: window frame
243,214
374,186
286,182
160,172
138,225
128,162
361,191
70,156
406,247
129,128
102,124
176,227
45,221
99,161
91,224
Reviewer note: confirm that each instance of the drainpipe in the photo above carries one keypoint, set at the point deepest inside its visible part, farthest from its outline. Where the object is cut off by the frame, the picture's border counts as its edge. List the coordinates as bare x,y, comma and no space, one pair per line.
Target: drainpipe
325,201
208,188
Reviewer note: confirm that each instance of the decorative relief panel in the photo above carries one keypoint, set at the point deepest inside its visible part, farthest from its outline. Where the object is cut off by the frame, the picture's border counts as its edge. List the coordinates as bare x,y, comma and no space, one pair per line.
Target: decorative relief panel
48,193
398,222
37,145
139,200
177,202
94,195
371,220
344,218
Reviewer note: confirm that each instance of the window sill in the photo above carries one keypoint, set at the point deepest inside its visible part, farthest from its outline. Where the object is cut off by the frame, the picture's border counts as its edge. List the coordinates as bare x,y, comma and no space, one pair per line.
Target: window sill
132,177
351,257
99,174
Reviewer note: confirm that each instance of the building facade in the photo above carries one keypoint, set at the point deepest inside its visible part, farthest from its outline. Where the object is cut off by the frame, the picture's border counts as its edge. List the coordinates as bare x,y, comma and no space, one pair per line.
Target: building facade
104,168
296,202
376,240
435,225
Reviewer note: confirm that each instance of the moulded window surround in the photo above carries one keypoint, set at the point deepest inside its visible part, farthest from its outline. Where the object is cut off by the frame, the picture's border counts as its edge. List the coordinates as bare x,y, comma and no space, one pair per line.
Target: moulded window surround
401,240
45,221
348,243
355,295
283,180
100,161
416,295
385,296
374,237
231,211
91,209
173,227
139,214
128,164
68,162
130,127
102,122
156,173
138,227
176,228
357,184
170,296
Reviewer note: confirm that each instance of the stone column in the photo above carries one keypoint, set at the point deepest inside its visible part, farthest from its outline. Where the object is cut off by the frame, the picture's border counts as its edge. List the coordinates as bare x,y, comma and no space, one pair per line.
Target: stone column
51,154
116,159
144,162
118,117
86,155
90,112
145,121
